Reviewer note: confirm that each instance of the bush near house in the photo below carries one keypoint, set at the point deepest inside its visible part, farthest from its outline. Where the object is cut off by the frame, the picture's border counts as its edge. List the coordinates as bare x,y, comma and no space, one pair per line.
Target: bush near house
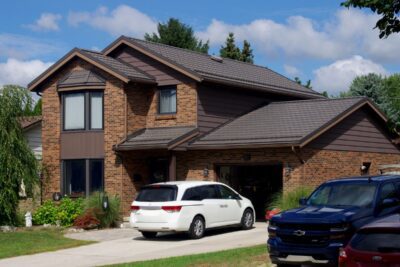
289,200
108,217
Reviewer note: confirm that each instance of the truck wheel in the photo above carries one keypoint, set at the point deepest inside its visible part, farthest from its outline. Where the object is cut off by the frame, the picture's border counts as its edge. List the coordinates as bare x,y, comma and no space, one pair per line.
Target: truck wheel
197,228
149,234
247,219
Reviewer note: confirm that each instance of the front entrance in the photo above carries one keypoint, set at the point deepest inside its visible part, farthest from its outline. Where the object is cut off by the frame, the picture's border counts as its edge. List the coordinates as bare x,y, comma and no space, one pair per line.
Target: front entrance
256,182
159,170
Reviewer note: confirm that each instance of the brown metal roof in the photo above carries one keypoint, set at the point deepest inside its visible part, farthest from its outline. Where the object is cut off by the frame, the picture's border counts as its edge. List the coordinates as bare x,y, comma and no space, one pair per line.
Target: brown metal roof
82,78
110,65
282,123
227,71
29,121
157,138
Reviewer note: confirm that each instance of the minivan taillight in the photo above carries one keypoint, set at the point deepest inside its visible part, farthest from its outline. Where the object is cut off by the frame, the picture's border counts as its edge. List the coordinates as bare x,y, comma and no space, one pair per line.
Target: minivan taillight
135,208
172,208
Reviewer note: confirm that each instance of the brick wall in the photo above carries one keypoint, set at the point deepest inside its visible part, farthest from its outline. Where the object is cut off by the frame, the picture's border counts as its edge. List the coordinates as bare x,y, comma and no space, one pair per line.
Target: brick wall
186,111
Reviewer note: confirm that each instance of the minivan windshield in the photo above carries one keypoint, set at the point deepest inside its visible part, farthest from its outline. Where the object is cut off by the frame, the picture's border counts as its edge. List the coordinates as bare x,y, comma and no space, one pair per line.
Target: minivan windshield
343,194
157,194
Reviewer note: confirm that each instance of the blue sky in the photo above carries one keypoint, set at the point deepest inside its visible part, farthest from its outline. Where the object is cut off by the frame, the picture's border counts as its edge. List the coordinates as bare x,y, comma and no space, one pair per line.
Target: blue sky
317,40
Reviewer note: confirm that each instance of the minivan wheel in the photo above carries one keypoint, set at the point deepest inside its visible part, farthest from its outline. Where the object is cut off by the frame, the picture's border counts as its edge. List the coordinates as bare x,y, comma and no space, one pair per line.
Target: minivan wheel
149,234
197,228
247,219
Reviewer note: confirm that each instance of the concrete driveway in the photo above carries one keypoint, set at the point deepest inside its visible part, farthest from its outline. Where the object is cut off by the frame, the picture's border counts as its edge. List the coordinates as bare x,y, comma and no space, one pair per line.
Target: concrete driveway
126,245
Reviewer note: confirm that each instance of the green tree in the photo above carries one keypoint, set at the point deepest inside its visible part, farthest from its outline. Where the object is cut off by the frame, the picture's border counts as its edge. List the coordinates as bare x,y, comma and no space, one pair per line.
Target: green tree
37,109
230,50
17,162
370,85
391,100
307,84
388,10
178,34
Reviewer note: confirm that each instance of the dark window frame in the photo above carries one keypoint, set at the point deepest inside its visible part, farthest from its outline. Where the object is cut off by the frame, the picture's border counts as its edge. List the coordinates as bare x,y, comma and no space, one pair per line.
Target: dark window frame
87,177
87,110
165,88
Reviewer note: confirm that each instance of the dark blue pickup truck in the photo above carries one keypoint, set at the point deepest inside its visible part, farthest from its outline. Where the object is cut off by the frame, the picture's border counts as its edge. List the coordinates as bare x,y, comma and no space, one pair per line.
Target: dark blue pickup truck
313,233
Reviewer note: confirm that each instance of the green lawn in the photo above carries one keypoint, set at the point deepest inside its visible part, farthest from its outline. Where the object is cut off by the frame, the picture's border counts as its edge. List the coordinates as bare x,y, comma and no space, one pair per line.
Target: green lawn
34,241
250,256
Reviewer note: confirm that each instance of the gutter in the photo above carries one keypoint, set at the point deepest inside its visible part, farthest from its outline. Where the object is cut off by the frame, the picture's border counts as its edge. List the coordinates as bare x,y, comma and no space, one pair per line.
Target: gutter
298,154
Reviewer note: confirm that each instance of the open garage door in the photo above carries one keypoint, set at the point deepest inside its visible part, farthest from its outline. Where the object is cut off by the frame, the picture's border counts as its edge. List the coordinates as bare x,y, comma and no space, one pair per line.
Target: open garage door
256,182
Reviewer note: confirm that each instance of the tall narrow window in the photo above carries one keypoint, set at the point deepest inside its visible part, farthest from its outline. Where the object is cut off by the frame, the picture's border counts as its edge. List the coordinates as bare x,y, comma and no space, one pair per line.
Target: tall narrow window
96,175
167,100
75,172
74,111
96,110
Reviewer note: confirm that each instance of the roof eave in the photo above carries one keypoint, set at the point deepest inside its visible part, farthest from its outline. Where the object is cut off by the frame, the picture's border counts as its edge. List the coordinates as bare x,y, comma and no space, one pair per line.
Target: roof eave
240,146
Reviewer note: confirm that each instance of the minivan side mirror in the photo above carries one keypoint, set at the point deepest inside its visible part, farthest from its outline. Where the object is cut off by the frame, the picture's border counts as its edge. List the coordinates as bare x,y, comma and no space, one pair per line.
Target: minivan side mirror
303,201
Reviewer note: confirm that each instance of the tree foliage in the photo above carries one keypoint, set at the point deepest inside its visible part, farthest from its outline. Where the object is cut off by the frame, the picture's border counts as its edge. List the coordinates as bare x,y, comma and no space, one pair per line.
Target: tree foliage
384,91
17,161
388,10
178,34
230,50
307,84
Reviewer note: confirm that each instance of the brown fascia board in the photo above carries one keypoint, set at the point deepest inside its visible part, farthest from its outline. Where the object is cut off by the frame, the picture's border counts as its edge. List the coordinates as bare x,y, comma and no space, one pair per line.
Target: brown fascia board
129,42
240,146
329,125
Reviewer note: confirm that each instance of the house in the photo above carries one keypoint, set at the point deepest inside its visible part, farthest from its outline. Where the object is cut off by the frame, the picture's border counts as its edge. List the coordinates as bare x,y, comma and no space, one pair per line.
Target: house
32,129
141,112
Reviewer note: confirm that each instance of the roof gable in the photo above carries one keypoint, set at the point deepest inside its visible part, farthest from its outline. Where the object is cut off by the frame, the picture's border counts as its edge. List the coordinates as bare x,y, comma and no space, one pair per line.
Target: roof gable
291,123
202,67
81,78
110,65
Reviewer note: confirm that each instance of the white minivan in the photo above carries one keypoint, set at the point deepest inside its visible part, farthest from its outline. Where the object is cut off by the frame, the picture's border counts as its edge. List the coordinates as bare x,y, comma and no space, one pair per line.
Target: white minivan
189,206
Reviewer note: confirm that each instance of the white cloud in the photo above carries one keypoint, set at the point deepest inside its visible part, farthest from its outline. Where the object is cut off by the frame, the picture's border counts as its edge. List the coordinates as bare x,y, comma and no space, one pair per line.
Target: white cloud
338,76
291,71
350,32
22,47
15,71
123,20
46,22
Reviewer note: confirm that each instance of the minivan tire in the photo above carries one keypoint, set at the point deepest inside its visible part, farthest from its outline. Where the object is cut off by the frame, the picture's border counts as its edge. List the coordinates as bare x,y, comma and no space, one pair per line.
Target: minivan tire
247,219
149,234
197,228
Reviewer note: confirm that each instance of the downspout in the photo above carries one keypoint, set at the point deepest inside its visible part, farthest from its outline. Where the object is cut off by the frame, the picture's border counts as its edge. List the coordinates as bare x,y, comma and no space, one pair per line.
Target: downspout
297,154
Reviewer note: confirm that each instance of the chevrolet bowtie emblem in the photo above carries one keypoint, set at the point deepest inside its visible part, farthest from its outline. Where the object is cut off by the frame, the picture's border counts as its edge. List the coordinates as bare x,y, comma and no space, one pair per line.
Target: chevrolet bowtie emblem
299,233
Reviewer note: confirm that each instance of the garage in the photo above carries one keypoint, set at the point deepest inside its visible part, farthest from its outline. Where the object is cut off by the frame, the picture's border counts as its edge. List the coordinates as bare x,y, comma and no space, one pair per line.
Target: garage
256,182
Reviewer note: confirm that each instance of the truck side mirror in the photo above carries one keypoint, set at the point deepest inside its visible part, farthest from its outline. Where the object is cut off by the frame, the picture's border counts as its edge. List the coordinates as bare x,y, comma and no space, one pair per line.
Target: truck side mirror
303,201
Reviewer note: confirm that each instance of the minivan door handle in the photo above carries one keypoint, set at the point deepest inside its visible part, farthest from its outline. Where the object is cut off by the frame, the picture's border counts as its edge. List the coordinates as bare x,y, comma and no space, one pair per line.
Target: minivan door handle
224,206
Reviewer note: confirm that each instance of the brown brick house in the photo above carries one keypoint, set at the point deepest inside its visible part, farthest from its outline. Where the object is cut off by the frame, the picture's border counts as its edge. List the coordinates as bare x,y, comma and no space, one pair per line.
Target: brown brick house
140,112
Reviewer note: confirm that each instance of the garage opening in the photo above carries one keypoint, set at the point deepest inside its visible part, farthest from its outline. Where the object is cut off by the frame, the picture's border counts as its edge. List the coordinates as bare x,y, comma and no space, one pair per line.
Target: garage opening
255,182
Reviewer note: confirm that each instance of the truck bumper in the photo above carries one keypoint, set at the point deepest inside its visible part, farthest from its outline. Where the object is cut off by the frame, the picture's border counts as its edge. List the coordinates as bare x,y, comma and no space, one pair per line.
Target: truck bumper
288,254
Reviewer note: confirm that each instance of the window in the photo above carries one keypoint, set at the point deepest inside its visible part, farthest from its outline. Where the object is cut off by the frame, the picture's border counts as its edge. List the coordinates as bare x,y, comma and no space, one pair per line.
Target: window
74,111
227,193
167,100
83,176
96,110
387,191
83,111
192,194
208,192
157,194
377,242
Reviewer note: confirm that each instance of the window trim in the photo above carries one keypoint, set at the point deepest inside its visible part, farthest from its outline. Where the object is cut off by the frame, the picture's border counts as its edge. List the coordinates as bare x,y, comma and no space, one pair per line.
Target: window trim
168,87
87,192
87,110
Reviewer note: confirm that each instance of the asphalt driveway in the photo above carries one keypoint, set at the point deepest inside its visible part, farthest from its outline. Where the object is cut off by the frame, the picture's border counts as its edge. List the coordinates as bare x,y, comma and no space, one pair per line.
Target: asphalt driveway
127,245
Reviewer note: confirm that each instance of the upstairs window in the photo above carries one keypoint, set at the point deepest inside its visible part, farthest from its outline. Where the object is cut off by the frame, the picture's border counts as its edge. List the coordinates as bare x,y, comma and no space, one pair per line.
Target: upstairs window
83,111
167,100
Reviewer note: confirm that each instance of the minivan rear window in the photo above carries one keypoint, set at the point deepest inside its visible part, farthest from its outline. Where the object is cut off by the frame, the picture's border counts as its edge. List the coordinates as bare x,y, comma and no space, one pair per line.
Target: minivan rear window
157,194
377,242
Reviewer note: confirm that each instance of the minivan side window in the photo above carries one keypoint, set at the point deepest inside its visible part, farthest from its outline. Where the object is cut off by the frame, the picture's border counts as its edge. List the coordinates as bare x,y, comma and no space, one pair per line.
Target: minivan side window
192,194
208,192
226,193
